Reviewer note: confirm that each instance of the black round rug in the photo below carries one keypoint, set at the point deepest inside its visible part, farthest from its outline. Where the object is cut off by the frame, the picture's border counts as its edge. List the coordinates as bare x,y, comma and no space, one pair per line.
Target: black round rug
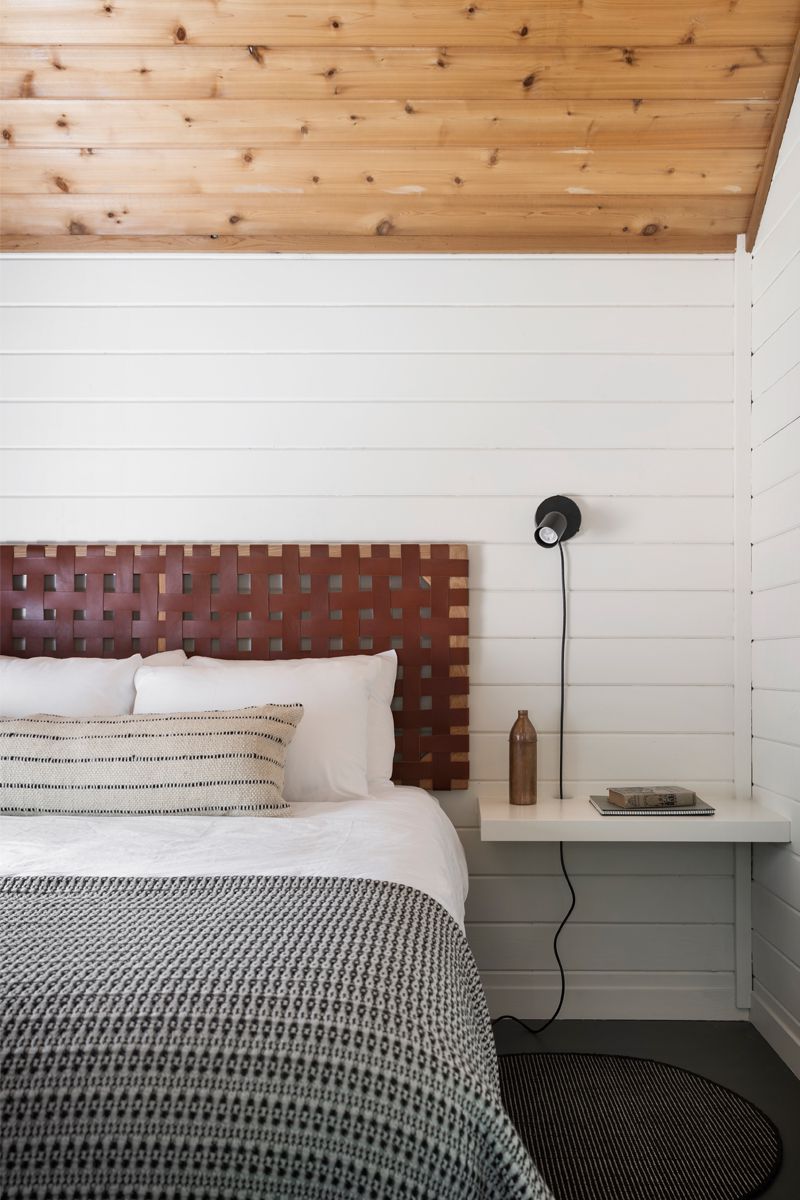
607,1127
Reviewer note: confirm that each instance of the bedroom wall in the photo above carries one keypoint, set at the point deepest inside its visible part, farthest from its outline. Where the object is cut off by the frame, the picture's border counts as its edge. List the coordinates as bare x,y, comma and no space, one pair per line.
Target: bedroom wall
400,398
776,598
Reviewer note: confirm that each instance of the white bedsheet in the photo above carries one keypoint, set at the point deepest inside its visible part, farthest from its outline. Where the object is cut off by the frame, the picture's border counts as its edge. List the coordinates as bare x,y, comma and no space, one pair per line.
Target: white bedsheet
399,834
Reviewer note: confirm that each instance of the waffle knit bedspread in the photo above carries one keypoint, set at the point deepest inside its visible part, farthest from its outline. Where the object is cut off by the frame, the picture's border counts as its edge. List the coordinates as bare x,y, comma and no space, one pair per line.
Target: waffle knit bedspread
218,1038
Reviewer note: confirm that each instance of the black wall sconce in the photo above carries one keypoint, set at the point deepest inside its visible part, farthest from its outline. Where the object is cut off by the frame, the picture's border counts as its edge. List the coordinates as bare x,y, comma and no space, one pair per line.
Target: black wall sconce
557,520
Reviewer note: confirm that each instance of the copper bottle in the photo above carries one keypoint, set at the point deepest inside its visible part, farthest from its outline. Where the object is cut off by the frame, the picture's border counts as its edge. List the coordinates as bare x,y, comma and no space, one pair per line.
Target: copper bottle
522,760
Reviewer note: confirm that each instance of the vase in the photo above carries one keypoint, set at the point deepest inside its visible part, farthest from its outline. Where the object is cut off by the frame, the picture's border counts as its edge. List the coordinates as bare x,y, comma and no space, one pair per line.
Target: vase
522,760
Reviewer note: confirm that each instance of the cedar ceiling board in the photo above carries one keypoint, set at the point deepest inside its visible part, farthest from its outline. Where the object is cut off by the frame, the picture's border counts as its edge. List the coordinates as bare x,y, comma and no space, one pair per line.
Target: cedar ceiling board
569,127
362,73
365,171
659,243
608,125
384,216
401,22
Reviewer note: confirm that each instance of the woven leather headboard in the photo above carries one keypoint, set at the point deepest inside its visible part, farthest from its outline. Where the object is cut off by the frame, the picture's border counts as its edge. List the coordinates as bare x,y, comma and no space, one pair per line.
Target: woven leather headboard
265,601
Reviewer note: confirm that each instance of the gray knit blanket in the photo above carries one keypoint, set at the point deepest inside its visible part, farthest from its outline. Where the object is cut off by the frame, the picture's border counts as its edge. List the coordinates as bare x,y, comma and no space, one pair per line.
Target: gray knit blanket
225,1038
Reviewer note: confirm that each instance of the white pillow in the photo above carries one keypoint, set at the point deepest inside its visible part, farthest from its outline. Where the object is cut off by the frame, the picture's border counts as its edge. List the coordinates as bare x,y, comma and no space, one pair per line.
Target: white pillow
166,658
380,723
328,756
74,687
381,676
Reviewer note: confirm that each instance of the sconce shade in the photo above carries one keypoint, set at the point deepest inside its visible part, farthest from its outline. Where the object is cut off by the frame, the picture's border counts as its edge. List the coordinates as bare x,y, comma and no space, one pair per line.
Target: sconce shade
557,520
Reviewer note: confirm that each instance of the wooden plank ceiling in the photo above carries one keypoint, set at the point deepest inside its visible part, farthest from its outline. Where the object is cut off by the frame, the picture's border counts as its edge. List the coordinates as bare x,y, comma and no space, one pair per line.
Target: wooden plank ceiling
462,125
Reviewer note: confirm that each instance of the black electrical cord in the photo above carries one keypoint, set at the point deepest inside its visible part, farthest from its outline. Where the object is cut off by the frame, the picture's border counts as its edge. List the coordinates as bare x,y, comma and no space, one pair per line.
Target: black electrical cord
507,1016
563,673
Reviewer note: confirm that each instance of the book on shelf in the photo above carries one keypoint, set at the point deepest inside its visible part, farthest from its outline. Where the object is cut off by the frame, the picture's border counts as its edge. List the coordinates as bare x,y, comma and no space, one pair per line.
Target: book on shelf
667,796
698,808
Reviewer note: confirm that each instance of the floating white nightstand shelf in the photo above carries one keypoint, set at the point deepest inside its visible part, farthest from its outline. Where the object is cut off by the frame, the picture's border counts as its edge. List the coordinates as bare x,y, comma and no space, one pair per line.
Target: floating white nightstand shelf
576,821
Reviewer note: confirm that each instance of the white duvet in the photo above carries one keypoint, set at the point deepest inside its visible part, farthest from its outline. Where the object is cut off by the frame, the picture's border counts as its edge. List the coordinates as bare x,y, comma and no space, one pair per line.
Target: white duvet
398,834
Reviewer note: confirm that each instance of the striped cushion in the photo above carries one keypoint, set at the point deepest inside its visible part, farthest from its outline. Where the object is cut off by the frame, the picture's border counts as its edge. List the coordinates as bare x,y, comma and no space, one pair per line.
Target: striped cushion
209,762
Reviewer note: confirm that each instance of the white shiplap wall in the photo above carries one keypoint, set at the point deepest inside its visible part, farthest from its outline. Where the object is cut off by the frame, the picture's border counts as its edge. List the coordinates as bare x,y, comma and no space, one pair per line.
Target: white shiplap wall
776,598
411,399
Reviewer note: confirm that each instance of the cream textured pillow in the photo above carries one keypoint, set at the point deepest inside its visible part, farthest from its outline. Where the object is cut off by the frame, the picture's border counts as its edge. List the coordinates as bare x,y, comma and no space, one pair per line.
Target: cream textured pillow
206,762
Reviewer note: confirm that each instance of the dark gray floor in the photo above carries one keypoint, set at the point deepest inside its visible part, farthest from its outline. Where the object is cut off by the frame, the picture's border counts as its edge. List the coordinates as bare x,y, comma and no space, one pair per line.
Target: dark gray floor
731,1052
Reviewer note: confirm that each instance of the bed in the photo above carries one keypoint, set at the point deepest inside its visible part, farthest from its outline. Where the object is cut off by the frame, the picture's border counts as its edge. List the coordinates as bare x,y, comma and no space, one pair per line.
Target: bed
204,1005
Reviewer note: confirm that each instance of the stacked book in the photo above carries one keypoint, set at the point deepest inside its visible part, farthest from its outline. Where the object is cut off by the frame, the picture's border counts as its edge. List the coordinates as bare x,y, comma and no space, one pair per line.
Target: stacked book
651,797
651,801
